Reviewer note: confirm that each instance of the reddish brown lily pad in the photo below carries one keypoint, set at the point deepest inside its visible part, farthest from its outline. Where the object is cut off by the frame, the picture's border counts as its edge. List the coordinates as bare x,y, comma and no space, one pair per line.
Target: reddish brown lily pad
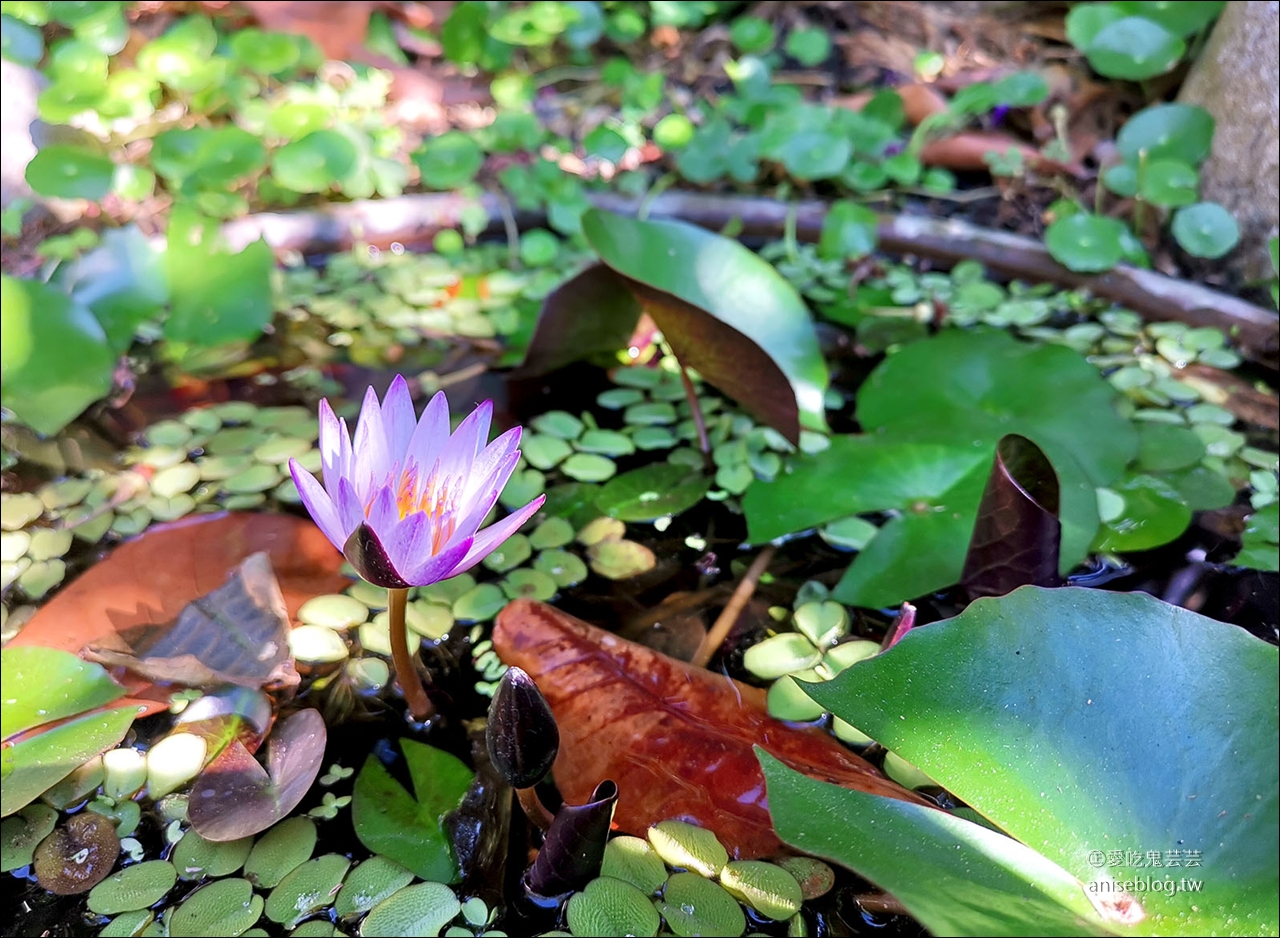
78,855
676,739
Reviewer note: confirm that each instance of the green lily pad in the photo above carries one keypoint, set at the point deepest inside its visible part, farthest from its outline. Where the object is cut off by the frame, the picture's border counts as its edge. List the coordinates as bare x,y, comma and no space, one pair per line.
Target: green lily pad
511,553
681,844
315,644
133,888
375,879
760,325
1154,514
55,359
554,532
479,604
606,443
694,905
558,423
1104,693
652,491
333,612
407,828
766,887
781,654
421,909
1205,229
633,861
280,851
306,888
1086,243
565,568
523,487
195,858
543,451
620,559
588,467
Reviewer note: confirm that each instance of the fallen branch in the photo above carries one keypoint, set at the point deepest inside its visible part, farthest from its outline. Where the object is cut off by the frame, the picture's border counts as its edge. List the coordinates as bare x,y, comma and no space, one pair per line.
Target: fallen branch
728,617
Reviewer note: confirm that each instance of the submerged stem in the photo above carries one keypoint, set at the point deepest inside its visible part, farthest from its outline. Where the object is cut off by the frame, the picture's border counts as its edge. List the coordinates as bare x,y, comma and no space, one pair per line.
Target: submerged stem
737,602
699,421
534,809
415,695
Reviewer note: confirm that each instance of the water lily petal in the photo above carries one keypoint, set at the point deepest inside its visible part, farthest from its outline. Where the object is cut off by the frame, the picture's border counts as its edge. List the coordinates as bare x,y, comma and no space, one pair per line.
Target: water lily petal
477,506
373,462
496,453
384,513
332,434
466,442
441,566
398,419
318,504
409,540
367,554
496,533
350,510
431,434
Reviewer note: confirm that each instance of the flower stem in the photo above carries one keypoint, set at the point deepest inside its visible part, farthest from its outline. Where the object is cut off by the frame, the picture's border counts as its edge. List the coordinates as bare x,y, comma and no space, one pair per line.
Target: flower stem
415,695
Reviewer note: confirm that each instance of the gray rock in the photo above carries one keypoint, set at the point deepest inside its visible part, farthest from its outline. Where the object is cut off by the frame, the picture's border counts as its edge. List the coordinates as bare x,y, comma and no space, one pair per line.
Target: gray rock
1237,79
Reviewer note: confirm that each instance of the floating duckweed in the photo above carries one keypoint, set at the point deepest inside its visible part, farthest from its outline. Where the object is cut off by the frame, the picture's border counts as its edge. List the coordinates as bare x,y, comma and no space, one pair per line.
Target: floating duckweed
606,443
235,411
369,883
781,654
21,832
543,451
125,814
446,593
257,478
904,773
13,545
565,568
202,420
511,553
18,511
161,457
168,433
558,423
815,877
171,509
554,532
480,603
174,761
589,467
217,468
766,887
316,928
848,733
693,905
651,438
316,644
195,858
611,907
132,522
786,700
618,398
368,675
633,861
847,654
601,529
375,636
823,623
234,440
223,907
530,584
124,772
133,888
88,524
475,912
280,449
684,845
306,888
244,502
41,576
334,611
127,924
420,910
280,851
655,413
620,560
58,495
430,620
373,597
10,570
175,480
636,376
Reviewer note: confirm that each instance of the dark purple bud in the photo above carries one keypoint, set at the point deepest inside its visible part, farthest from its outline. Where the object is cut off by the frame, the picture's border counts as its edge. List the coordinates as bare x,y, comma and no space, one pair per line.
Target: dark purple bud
573,850
522,735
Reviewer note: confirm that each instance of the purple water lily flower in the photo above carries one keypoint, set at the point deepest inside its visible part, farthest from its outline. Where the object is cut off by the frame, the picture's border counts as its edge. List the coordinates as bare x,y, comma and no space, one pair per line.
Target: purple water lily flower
405,500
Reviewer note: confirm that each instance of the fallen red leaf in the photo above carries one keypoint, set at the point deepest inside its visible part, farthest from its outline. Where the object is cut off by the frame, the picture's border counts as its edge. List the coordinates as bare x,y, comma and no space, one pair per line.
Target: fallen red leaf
676,739
148,581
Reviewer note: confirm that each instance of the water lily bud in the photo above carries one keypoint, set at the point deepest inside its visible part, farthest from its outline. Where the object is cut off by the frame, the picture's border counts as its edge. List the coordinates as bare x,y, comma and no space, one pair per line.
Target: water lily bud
522,735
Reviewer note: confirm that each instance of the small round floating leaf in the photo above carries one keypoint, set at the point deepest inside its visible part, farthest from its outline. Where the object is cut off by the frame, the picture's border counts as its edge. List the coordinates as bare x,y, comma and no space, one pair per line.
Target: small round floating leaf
673,132
124,771
654,413
13,545
618,398
1167,131
195,858
224,907
176,480
543,451
306,888
419,910
280,851
633,861
48,544
168,433
314,163
133,888
565,568
1205,229
480,603
78,855
21,832
766,887
601,529
529,584
554,532
558,423
128,924
64,494
255,479
588,467
430,620
523,486
17,511
814,876
279,450
847,654
652,491
315,644
333,612
651,438
694,905
620,560
1085,242
174,761
511,553
612,907
606,443
686,845
317,928
69,172
369,883
1162,447
852,533
781,654
521,734
786,701
822,622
